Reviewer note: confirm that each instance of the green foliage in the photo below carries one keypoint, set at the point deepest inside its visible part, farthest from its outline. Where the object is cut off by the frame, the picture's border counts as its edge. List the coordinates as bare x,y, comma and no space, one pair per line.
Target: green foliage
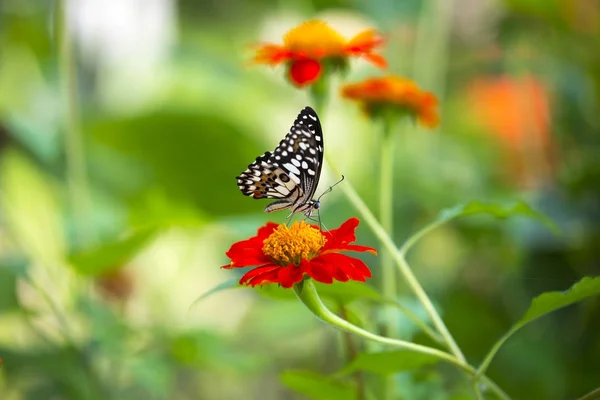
318,387
182,154
8,288
107,257
498,211
552,301
164,130
389,362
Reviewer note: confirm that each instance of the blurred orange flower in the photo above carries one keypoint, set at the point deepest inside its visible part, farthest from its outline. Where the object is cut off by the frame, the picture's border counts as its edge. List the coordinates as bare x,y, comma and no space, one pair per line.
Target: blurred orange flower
378,95
307,47
517,113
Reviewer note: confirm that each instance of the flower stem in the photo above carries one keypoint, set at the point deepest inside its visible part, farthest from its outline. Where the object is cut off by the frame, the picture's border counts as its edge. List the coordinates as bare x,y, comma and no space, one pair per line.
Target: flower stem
386,216
490,355
403,267
308,295
352,352
74,147
593,395
417,321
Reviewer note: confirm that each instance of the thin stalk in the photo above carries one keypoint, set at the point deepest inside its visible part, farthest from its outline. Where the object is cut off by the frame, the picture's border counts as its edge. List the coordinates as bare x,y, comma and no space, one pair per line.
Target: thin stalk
490,355
386,217
417,321
593,395
417,236
308,295
56,310
74,147
401,263
352,352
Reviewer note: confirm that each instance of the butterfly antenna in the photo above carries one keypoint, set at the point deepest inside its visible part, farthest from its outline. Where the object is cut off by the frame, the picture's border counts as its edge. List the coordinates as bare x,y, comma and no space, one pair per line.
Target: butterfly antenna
330,188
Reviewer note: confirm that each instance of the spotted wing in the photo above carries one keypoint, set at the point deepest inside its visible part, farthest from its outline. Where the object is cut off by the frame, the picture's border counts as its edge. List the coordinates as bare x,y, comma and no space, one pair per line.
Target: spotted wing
300,153
291,172
263,180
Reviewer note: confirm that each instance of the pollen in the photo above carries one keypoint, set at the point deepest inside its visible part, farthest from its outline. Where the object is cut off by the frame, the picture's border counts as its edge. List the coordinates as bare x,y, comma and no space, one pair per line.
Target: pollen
290,245
315,38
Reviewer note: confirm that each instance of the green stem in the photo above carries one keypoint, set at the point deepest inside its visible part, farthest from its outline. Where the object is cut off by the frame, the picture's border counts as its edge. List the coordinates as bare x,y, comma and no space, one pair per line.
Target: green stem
403,267
307,294
417,236
74,148
417,321
490,355
386,216
56,310
593,395
352,352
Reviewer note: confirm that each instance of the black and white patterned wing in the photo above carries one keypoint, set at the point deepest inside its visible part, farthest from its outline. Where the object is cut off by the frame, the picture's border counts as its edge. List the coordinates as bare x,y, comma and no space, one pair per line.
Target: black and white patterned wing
291,173
263,180
300,153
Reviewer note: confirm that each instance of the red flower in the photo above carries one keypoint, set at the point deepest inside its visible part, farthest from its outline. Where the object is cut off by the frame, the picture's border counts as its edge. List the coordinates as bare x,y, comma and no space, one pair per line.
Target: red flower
285,254
309,46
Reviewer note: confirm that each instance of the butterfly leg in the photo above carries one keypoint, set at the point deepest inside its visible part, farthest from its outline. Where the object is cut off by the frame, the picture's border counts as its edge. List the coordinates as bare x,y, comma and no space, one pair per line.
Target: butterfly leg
288,219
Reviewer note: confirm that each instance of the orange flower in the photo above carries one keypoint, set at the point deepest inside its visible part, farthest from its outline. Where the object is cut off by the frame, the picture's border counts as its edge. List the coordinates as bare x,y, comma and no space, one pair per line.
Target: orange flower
516,111
308,47
378,95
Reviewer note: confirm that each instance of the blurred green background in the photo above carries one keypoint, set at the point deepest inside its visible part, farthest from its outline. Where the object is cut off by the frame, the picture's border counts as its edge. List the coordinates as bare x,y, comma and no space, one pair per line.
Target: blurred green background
108,236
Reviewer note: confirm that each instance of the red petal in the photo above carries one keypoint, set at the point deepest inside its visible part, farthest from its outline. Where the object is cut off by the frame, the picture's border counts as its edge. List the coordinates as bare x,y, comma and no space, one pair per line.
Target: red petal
359,248
364,42
249,252
338,239
376,59
318,271
271,54
304,72
290,275
266,273
353,267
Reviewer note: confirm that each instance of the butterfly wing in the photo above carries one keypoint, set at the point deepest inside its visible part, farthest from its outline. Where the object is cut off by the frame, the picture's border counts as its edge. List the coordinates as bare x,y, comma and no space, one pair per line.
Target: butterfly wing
291,172
301,153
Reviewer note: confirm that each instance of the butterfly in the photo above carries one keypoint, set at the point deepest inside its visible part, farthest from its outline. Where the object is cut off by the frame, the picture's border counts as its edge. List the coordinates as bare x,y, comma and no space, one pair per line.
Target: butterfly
291,172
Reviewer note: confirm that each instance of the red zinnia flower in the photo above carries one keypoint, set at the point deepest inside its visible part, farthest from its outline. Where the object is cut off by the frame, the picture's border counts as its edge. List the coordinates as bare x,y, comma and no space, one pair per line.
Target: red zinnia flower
307,47
285,254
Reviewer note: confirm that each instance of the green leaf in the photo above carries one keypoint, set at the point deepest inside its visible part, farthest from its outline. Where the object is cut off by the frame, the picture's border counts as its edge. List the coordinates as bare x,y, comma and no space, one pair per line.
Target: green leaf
180,152
497,211
389,362
111,255
8,289
31,209
228,284
542,305
317,386
345,292
551,301
275,292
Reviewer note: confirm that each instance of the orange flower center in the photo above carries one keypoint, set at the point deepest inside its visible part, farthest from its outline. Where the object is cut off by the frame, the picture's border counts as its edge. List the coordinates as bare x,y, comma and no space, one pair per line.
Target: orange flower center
290,245
314,37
